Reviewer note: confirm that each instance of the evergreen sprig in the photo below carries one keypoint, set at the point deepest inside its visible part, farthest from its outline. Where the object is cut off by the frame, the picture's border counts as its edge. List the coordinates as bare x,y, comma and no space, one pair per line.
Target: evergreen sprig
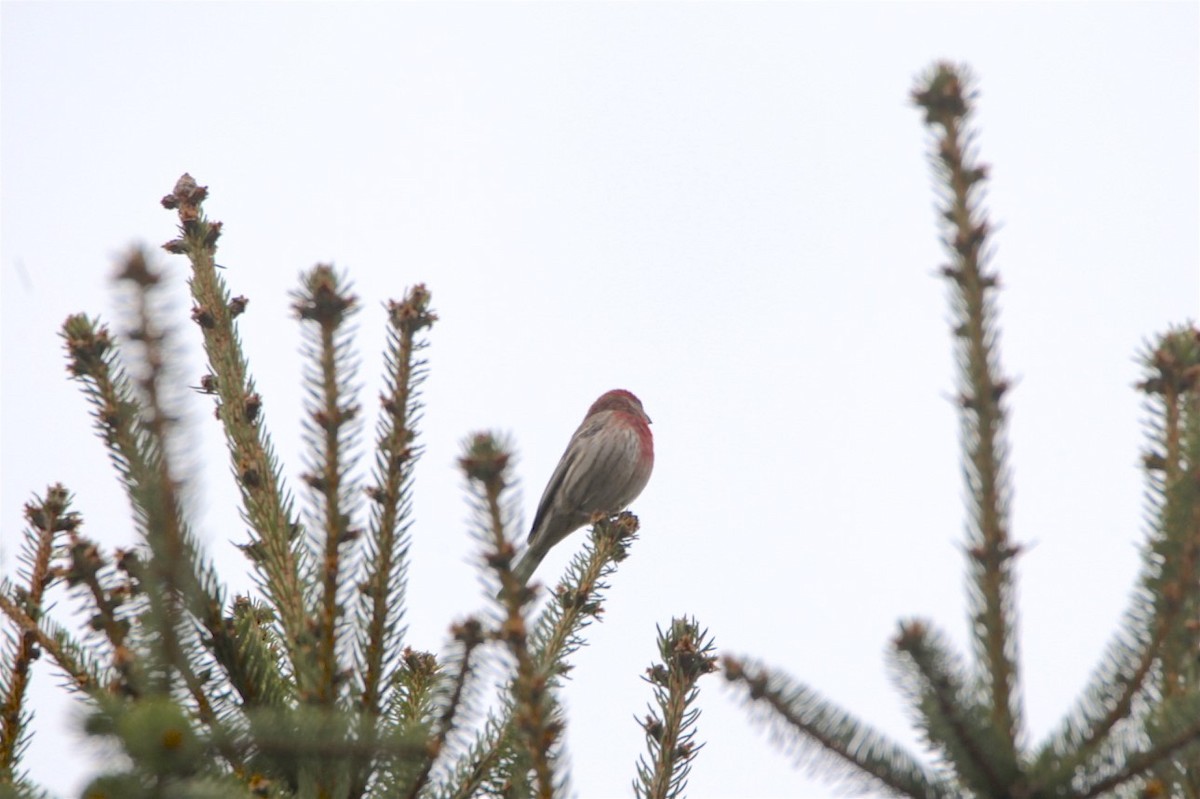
1152,657
275,549
495,753
815,730
687,655
1133,732
309,689
947,99
325,306
954,723
486,462
168,577
48,518
381,592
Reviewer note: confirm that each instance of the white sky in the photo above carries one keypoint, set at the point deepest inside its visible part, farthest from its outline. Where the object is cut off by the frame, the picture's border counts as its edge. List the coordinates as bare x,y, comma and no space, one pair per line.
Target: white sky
725,208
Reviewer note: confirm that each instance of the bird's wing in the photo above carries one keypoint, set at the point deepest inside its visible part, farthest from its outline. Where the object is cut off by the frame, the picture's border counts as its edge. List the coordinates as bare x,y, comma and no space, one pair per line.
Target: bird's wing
567,467
599,481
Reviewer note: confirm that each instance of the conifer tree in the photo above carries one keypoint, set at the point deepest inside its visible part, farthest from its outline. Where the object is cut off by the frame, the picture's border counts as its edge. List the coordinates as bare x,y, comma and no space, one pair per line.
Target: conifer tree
309,687
1135,730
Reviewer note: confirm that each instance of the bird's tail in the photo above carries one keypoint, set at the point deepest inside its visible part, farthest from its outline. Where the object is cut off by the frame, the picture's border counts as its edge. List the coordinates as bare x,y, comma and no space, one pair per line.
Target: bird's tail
527,564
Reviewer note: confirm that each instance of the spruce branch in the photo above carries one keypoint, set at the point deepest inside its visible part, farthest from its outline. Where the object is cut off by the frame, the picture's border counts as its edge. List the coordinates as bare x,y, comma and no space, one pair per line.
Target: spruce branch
1173,465
79,665
382,591
161,739
381,596
166,749
850,750
577,598
93,362
1177,735
500,753
325,305
274,548
557,635
686,653
47,518
88,570
412,707
309,736
947,101
414,689
1155,645
257,678
954,723
487,763
469,635
485,462
171,577
154,487
1173,389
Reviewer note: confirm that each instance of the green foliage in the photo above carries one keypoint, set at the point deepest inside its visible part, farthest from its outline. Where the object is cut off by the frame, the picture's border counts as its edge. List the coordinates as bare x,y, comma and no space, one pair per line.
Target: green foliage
309,688
686,653
1136,728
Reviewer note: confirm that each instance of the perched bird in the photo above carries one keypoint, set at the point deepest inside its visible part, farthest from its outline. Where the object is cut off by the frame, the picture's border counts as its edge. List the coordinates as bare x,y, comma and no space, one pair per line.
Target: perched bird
606,465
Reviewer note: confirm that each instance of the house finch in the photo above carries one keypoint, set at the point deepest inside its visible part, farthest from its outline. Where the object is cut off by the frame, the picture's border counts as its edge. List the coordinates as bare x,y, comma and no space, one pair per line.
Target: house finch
605,467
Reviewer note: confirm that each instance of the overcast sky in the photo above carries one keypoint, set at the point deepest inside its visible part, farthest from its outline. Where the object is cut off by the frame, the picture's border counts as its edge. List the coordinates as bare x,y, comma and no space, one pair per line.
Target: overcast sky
725,208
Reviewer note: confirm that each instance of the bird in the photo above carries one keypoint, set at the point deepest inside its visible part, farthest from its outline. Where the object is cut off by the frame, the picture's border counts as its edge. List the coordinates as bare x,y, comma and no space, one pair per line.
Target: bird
606,465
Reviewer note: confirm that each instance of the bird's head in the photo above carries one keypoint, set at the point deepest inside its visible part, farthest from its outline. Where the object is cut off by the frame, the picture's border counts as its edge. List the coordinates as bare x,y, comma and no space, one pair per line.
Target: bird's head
621,401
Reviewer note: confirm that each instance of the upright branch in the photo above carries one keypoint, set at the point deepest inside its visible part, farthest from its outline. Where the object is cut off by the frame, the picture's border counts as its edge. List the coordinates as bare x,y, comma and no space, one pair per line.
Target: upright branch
274,547
954,723
557,635
485,463
170,575
156,488
92,362
1173,465
413,708
947,105
686,653
469,635
1153,653
325,305
47,518
380,605
166,585
132,419
382,592
112,603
